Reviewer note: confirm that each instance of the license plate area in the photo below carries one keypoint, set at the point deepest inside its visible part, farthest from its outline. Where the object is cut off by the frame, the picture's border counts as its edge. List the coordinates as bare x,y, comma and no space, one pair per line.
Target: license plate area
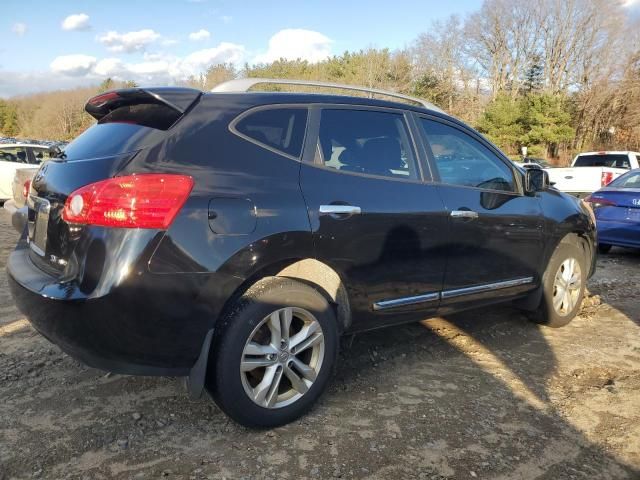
39,225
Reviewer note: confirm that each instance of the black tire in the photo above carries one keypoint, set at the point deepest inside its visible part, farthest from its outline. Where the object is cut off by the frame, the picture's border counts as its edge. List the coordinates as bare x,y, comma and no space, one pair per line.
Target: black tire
604,248
546,314
224,379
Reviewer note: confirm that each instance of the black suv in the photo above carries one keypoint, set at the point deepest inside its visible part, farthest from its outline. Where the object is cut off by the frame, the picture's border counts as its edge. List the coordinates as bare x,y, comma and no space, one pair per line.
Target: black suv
232,237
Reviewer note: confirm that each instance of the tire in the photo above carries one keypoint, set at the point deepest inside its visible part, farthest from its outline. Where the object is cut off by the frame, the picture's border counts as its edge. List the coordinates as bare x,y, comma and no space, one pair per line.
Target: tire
552,314
604,248
245,360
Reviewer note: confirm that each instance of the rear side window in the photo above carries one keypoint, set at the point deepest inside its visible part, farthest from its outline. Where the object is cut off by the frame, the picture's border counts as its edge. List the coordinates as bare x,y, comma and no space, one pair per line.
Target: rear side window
462,160
366,141
41,154
281,129
14,155
617,161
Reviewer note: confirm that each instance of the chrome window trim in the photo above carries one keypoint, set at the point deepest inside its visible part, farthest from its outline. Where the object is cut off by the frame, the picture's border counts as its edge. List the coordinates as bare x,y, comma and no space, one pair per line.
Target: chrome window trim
446,294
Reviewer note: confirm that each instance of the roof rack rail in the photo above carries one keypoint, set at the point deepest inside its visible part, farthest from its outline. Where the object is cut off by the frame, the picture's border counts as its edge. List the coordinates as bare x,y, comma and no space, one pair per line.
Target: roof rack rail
245,84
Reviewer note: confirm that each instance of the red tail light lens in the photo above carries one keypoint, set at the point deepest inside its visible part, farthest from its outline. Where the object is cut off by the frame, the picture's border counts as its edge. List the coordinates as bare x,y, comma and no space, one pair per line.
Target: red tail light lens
25,188
606,178
133,201
597,202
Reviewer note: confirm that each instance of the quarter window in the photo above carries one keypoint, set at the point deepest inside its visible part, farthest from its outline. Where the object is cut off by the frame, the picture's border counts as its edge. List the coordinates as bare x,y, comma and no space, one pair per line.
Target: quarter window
279,128
365,141
41,154
462,160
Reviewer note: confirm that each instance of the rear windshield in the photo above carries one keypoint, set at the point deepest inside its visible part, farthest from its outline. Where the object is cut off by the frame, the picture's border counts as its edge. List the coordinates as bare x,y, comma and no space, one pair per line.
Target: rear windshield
613,160
109,139
628,180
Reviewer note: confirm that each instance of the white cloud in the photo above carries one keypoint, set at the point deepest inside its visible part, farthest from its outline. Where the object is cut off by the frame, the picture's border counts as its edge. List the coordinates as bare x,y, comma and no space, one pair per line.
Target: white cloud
130,41
198,61
630,3
201,34
295,43
73,65
19,28
109,67
226,18
77,22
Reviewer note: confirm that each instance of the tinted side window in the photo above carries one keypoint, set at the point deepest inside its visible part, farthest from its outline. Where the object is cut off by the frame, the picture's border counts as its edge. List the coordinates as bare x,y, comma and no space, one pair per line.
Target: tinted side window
462,160
279,128
14,154
366,141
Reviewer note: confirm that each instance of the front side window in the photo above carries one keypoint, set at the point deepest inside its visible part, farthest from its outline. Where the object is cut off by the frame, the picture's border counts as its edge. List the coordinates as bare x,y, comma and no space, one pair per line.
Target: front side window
462,160
279,128
14,155
366,141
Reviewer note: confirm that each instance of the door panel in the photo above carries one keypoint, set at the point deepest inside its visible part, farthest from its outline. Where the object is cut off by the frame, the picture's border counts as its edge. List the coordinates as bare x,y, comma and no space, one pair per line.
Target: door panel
373,221
496,237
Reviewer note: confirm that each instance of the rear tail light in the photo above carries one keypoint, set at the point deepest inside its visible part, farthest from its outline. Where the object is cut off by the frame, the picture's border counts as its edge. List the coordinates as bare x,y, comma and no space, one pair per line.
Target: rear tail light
25,189
133,201
597,202
606,178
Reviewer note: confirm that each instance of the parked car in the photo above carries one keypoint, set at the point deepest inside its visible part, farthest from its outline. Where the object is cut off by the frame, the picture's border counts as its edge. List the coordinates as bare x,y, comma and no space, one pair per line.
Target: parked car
534,162
592,170
13,157
617,211
231,237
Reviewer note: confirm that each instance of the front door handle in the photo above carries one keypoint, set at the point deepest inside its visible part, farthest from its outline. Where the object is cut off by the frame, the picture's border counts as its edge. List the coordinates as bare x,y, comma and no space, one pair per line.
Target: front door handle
340,210
464,214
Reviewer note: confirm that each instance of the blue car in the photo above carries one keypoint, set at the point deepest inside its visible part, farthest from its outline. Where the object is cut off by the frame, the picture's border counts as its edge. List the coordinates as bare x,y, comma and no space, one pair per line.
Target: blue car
617,211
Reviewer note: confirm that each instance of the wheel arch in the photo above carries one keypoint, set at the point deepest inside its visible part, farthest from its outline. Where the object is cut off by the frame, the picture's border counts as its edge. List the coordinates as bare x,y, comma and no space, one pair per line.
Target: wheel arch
311,271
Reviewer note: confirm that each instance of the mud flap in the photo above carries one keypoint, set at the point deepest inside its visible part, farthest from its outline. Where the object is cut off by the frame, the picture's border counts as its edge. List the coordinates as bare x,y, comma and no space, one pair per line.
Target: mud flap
531,302
195,380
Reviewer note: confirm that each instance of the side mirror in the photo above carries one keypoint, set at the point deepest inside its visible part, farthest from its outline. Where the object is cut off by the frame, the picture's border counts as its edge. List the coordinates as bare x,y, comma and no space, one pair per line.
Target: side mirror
535,180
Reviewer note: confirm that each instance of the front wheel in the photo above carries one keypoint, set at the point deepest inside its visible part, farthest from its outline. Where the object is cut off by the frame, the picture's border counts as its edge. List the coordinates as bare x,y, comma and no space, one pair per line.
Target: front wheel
563,286
275,353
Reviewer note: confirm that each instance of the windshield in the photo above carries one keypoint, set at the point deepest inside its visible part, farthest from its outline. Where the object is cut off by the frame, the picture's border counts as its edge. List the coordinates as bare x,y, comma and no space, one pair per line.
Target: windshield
603,160
628,180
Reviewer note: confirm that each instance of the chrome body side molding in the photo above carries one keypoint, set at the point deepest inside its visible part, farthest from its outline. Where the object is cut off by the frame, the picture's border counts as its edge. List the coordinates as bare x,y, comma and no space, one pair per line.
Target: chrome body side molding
458,292
401,302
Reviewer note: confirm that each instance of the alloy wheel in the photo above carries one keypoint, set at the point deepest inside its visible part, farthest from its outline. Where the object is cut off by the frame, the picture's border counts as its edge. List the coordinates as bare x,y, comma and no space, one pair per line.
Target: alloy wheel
282,357
566,286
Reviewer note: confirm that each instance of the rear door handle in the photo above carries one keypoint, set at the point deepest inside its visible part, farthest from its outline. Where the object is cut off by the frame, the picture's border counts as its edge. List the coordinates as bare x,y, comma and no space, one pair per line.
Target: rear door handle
464,214
340,210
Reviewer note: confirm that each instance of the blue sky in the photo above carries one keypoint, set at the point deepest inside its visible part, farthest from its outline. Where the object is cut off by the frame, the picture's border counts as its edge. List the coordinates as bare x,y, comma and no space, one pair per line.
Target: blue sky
58,44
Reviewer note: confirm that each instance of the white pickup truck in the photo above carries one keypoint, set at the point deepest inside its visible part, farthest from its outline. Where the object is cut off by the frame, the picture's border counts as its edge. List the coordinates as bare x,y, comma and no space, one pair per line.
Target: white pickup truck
591,171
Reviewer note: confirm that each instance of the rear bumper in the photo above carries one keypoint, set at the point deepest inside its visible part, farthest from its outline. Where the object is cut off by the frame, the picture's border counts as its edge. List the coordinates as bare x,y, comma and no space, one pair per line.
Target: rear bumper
151,325
623,234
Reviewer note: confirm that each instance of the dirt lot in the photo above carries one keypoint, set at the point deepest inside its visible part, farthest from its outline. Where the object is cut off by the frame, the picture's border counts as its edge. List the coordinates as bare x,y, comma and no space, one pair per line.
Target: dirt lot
480,395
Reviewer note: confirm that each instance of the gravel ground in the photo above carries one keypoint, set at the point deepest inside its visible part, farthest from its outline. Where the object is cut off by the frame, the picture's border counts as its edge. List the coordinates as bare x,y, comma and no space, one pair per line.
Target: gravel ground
480,395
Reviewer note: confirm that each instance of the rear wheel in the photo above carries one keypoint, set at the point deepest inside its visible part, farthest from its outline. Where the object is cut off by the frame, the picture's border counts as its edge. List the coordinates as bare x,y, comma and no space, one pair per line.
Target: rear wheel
563,286
604,247
275,353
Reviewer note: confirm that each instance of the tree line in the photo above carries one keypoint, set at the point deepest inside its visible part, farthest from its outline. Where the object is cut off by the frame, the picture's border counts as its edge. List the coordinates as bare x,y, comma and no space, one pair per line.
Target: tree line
556,76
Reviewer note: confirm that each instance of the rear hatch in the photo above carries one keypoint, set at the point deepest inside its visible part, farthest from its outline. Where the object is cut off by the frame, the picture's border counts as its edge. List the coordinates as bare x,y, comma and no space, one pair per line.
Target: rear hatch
128,121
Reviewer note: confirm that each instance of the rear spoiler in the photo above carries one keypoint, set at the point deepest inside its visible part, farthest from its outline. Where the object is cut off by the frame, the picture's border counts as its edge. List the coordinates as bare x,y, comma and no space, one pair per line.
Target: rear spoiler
178,99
